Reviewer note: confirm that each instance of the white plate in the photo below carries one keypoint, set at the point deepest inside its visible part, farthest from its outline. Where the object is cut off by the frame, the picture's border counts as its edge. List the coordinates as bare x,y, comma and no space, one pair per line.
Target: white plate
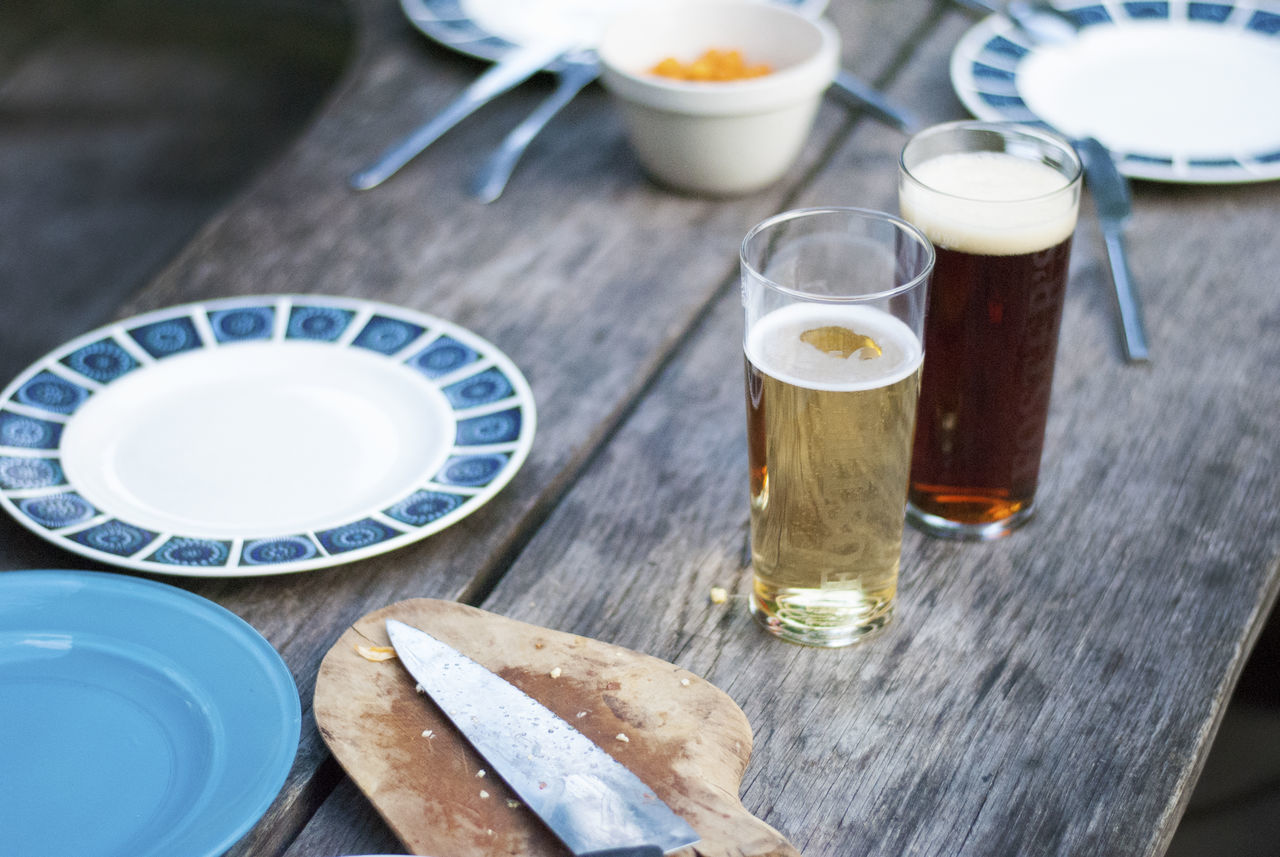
260,435
488,29
1179,91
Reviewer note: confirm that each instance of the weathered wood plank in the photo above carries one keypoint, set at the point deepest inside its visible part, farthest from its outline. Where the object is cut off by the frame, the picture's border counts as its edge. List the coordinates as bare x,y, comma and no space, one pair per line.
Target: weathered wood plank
1053,693
1030,697
586,274
576,239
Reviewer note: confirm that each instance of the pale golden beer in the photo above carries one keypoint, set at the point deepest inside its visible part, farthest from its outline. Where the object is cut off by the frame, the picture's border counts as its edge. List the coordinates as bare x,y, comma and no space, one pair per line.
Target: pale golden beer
834,302
829,432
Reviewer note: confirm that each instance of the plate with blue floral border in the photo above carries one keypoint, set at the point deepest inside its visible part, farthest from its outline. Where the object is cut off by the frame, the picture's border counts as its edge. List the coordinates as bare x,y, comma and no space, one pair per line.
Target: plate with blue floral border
1178,90
260,435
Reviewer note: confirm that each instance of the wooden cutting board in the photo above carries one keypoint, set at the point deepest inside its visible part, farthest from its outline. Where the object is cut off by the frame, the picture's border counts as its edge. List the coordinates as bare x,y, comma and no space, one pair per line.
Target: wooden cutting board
685,738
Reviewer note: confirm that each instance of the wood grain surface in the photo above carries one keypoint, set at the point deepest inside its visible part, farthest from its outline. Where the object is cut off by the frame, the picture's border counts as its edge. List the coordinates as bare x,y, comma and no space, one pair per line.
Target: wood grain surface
1054,693
681,736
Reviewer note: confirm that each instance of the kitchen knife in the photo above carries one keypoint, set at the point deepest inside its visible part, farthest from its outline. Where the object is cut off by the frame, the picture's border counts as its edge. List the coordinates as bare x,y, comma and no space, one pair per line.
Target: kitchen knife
1110,192
593,804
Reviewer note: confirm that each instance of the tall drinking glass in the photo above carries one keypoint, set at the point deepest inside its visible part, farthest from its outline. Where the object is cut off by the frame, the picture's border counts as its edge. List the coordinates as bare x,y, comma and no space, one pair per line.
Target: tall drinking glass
999,203
835,301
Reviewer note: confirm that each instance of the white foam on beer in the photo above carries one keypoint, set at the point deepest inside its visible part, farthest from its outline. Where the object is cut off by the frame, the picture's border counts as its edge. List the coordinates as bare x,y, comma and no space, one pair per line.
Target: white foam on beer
774,347
990,203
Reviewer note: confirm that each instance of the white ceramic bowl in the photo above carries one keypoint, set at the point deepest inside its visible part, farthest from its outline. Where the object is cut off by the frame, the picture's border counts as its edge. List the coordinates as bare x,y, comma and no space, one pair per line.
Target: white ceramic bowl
719,138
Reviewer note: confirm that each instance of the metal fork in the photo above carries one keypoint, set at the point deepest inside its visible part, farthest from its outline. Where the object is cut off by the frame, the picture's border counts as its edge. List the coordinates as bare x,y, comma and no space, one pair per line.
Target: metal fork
575,72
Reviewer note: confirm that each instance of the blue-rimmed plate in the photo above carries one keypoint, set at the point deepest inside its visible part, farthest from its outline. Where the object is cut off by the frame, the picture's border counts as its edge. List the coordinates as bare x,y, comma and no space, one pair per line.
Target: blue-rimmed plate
260,435
1179,91
138,719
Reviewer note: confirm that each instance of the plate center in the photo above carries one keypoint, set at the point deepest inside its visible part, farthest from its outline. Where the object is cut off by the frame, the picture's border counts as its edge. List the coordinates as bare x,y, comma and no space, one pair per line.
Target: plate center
104,753
257,439
1156,87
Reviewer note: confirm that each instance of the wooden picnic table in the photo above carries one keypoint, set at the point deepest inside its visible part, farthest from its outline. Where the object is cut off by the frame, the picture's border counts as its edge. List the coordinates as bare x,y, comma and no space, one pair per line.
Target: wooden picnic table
1055,692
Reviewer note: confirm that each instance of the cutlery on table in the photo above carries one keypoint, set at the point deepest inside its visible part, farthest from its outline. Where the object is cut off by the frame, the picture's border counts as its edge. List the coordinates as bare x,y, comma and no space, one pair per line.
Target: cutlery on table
514,68
1110,192
863,95
590,801
577,70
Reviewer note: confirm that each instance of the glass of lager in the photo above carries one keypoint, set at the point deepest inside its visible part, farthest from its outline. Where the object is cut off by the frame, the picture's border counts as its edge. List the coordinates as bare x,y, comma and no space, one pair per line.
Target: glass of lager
835,302
999,203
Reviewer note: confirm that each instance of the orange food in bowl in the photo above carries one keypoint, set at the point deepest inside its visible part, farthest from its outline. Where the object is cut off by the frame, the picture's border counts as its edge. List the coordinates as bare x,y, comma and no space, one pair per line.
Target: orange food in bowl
713,66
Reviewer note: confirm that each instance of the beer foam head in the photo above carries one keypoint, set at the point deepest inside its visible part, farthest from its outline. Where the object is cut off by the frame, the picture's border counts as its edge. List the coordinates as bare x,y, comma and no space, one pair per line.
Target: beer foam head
990,203
778,346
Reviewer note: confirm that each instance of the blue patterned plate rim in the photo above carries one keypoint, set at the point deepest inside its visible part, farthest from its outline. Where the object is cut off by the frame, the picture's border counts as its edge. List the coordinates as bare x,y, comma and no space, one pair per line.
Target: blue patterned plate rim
154,721
988,64
480,397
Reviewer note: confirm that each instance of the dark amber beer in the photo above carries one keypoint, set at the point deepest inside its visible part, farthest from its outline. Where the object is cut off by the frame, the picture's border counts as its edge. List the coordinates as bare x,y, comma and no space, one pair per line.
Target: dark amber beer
999,204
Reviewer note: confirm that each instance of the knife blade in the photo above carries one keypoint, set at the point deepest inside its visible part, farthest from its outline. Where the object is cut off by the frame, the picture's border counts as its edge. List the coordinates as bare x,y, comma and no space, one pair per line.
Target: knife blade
590,801
1110,192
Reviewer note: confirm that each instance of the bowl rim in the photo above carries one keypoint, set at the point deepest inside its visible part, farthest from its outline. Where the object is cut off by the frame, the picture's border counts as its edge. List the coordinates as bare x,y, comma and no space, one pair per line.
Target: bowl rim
804,79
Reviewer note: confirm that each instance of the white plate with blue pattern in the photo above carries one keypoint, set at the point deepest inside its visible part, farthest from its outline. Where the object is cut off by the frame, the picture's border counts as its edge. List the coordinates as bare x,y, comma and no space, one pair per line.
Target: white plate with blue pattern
260,435
1179,90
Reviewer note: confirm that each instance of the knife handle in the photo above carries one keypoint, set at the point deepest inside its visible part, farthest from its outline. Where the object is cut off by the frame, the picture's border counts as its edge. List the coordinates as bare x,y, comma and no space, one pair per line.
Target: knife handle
1134,336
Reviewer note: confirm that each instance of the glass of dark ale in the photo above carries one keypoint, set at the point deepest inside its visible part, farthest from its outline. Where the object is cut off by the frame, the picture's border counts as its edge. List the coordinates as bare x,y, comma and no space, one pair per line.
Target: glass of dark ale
999,202
835,302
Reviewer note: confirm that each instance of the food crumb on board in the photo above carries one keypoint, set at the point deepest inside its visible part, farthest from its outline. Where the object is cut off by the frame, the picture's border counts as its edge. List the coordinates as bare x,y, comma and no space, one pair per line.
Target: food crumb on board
684,682
427,733
513,804
582,714
419,688
376,653
480,773
719,595
555,673
622,736
484,794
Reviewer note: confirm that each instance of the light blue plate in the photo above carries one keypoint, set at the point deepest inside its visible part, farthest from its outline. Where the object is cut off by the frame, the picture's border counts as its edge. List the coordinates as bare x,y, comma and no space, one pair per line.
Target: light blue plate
1178,91
136,719
260,435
